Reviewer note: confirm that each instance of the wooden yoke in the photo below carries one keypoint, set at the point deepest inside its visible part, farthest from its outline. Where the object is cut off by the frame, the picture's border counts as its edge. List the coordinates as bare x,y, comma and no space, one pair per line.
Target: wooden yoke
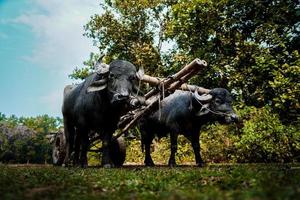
176,81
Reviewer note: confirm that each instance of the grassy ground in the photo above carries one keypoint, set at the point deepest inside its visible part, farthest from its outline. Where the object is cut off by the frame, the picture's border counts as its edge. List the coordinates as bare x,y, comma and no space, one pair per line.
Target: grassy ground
247,181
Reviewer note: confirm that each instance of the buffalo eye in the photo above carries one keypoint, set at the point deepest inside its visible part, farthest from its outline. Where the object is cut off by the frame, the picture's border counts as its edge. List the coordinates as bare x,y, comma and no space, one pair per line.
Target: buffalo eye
132,77
111,76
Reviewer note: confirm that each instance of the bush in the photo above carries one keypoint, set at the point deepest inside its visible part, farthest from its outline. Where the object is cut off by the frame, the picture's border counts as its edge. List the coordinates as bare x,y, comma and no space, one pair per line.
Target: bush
24,140
160,151
265,139
260,136
217,143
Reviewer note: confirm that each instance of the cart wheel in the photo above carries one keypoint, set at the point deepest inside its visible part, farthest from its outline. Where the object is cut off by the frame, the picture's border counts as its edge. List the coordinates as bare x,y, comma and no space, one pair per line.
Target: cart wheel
58,151
118,151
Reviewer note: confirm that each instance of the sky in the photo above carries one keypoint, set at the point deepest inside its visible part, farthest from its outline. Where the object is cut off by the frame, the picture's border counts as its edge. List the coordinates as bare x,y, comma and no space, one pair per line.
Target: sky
41,42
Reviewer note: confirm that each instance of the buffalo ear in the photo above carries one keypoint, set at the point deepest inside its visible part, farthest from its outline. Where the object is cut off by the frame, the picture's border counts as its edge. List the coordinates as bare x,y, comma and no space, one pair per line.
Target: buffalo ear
203,111
97,86
102,70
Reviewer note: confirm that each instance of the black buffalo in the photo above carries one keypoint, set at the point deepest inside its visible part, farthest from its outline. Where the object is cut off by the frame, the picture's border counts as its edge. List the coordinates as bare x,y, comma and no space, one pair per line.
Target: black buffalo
184,113
96,105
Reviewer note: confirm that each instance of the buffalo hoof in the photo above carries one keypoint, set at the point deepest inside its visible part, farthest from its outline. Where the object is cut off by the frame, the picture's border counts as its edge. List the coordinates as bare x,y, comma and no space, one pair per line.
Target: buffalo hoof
107,166
84,166
172,164
151,164
201,164
118,151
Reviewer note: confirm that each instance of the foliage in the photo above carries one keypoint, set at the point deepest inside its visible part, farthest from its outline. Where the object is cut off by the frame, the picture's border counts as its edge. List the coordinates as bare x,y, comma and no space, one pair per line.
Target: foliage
126,30
211,182
252,47
258,137
265,139
81,73
218,143
25,139
249,45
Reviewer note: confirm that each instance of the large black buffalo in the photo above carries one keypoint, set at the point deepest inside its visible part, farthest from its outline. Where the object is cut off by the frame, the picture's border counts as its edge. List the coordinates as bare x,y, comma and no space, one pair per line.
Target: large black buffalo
184,113
96,105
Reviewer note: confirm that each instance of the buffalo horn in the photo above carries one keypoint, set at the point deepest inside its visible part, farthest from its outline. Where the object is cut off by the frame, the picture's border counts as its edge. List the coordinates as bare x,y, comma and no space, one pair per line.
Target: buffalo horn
202,98
100,82
96,88
97,85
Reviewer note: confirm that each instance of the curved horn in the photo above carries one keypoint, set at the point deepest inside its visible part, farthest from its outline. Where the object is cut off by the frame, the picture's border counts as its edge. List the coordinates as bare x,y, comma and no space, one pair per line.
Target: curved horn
100,82
203,98
97,85
140,73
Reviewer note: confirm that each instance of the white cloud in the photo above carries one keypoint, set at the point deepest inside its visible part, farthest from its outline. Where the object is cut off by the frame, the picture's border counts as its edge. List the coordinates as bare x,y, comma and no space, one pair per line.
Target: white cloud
58,26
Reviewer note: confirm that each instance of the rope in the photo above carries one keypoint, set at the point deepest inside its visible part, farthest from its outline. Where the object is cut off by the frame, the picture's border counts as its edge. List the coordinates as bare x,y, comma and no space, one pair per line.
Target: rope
161,87
191,95
137,93
163,90
214,112
159,108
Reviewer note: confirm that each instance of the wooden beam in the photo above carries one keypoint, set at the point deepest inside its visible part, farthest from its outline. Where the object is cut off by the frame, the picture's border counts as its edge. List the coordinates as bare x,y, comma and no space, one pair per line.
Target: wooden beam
169,84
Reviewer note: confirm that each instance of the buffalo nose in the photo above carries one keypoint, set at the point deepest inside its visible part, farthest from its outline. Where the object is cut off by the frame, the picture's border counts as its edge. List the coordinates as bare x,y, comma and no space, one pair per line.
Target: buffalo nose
119,97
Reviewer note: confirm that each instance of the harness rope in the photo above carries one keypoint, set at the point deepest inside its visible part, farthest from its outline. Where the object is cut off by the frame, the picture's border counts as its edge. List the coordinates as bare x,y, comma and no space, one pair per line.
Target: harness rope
161,87
214,112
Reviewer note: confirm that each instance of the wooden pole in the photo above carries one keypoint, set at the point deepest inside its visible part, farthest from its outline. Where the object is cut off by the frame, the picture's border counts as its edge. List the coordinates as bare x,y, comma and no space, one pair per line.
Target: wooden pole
171,83
179,84
194,67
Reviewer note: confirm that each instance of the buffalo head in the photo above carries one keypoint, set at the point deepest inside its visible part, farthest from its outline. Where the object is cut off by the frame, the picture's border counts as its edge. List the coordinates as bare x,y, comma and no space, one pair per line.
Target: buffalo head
119,78
218,103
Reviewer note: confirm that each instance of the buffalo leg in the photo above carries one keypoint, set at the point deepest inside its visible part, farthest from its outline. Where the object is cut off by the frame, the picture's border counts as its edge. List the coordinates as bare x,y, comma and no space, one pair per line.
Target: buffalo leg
196,147
146,139
148,159
84,149
172,161
106,161
77,148
69,133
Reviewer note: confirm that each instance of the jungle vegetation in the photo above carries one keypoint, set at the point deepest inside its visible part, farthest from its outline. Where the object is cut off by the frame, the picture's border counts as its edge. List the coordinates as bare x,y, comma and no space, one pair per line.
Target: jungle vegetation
252,49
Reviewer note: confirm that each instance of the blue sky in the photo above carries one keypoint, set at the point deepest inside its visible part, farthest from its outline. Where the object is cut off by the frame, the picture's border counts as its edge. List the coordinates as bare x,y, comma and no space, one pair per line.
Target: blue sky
41,42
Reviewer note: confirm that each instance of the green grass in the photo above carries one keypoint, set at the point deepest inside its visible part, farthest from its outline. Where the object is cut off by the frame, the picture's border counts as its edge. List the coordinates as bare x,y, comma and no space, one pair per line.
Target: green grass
247,181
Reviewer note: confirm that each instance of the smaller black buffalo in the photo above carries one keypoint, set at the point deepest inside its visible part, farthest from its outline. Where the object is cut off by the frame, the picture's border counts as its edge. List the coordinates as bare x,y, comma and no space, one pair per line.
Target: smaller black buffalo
185,112
96,105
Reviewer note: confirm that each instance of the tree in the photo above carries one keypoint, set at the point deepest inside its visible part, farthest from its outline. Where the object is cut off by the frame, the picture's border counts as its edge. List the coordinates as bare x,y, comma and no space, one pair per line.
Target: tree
129,30
25,139
249,45
2,116
252,48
